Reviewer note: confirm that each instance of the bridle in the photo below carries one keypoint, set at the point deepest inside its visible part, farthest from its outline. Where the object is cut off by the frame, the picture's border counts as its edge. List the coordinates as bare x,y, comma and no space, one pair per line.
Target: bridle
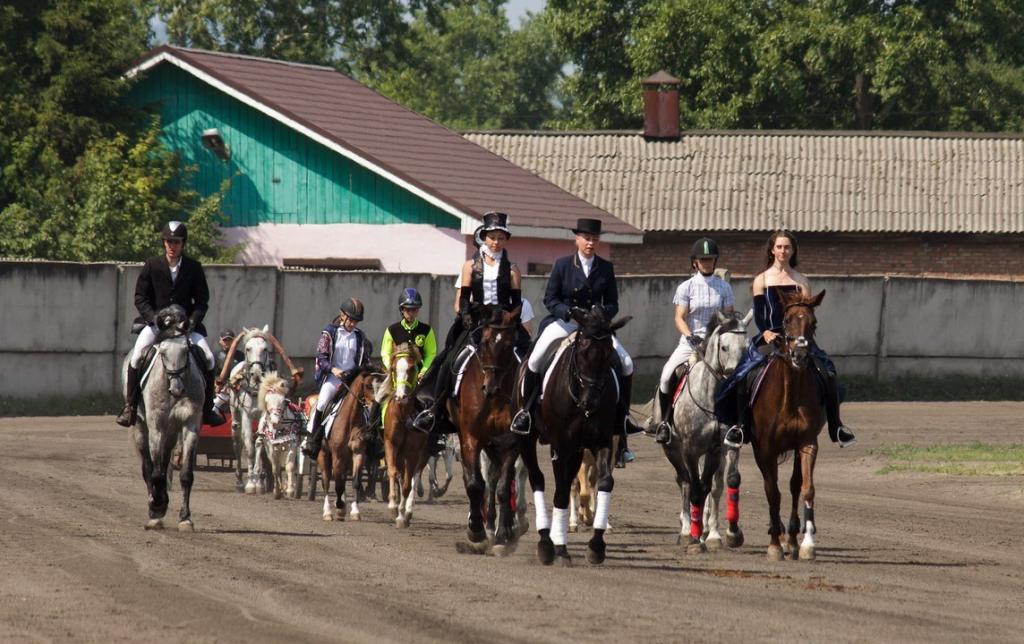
801,342
584,383
716,372
498,373
393,372
175,375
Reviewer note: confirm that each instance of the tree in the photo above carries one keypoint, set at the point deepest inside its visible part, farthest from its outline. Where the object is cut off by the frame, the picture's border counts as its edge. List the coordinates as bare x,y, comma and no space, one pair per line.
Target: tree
84,176
470,70
888,64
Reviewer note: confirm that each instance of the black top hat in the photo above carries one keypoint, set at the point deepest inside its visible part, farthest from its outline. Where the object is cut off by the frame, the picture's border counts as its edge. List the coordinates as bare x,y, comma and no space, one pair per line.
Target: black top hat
492,221
588,226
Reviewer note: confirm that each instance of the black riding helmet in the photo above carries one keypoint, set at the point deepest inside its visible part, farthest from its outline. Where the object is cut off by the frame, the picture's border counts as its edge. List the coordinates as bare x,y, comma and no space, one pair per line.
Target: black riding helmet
352,308
174,230
410,299
704,248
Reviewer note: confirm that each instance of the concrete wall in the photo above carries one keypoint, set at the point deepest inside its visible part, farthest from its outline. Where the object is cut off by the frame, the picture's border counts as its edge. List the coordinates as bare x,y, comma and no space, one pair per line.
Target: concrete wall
65,327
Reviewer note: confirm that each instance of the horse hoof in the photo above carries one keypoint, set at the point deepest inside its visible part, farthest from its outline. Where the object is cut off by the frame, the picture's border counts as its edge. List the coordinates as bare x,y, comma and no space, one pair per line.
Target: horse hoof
504,549
574,528
155,524
734,539
328,516
696,548
339,514
186,526
250,489
807,553
562,554
355,516
239,487
713,544
596,553
469,548
400,522
775,553
546,551
477,537
393,511
278,495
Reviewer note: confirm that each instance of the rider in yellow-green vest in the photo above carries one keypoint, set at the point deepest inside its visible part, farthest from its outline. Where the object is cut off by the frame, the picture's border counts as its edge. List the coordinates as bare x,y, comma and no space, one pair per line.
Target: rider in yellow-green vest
409,329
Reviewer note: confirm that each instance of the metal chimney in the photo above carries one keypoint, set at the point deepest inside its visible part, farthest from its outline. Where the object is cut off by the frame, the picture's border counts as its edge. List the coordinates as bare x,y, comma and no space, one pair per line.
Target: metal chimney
661,106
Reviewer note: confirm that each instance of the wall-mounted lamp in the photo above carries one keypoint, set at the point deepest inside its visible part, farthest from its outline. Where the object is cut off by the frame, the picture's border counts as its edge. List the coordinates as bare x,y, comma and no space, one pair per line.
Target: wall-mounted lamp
213,142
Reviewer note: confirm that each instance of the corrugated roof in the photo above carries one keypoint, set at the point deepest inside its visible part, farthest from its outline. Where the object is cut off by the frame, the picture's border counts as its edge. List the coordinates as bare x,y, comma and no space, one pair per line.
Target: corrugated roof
809,181
468,179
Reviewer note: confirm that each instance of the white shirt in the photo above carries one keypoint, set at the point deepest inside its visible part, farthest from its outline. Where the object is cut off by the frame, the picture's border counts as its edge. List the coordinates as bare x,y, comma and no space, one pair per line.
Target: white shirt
525,315
586,263
703,297
174,271
346,346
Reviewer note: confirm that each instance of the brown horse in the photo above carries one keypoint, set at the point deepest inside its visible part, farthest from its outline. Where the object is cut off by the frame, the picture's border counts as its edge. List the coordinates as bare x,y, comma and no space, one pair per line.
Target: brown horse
787,416
345,447
405,449
577,414
483,414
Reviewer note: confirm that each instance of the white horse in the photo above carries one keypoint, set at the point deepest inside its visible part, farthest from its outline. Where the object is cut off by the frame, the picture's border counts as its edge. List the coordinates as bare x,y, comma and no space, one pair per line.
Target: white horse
695,450
277,436
171,404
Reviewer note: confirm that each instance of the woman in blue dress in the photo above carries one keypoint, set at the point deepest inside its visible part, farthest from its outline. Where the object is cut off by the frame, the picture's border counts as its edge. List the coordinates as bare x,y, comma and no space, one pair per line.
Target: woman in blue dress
769,287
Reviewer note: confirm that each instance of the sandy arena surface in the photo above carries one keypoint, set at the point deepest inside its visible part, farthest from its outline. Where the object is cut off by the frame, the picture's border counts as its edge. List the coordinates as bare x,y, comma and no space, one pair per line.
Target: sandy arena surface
902,557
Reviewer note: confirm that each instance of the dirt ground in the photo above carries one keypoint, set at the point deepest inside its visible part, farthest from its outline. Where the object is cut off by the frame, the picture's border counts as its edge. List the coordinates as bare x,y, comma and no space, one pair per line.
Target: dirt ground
902,557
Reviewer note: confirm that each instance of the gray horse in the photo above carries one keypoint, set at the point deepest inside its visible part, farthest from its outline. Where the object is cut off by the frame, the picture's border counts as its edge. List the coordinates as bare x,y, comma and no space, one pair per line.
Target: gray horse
171,405
697,434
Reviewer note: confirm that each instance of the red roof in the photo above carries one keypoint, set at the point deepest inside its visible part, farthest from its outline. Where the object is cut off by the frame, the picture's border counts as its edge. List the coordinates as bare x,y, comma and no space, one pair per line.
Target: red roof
379,131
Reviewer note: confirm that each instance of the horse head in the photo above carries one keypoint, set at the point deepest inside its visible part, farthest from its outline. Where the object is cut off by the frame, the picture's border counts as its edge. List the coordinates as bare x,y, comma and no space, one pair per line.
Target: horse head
593,355
403,369
496,348
257,355
726,342
364,387
174,356
799,324
272,397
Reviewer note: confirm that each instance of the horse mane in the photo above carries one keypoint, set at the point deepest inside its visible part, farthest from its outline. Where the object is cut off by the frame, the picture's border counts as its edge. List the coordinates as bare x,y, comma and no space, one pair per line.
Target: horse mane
271,383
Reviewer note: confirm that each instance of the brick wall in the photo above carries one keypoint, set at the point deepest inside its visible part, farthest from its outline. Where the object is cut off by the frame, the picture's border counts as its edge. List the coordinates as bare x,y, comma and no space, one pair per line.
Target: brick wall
943,255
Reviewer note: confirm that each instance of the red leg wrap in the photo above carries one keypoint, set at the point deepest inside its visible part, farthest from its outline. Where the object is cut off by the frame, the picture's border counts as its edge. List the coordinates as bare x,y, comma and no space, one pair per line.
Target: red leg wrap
696,521
732,505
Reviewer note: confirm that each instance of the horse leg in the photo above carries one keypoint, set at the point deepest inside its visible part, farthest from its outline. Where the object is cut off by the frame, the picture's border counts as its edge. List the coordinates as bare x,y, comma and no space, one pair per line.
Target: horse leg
713,503
575,503
566,467
340,466
769,466
712,460
605,483
489,469
358,459
326,462
808,454
187,477
522,507
473,480
252,484
696,506
790,544
236,443
142,446
290,465
505,535
528,452
734,534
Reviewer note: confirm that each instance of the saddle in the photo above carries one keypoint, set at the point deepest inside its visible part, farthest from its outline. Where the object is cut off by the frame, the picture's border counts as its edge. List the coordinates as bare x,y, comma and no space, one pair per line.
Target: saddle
616,368
149,360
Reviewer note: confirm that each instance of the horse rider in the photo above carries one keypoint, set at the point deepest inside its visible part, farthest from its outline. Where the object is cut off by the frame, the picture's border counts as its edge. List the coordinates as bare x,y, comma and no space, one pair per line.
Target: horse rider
488,277
227,336
342,350
697,301
769,287
410,329
579,280
170,278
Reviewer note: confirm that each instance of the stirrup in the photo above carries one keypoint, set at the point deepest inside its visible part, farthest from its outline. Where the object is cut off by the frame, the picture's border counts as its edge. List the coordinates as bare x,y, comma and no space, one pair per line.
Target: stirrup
850,438
734,437
424,421
520,426
663,434
127,417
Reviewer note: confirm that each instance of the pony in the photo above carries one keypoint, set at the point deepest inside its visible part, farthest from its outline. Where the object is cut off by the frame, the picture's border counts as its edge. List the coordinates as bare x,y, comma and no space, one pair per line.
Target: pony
787,416
277,436
577,412
171,405
482,411
405,449
697,437
245,381
345,446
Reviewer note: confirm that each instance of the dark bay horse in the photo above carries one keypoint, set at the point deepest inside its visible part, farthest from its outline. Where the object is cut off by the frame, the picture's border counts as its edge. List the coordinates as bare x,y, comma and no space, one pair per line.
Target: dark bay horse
577,413
483,413
345,447
405,449
787,417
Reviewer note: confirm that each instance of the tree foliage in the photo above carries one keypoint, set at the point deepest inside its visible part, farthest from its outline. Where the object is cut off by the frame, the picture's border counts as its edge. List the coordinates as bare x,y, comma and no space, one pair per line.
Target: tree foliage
884,64
84,176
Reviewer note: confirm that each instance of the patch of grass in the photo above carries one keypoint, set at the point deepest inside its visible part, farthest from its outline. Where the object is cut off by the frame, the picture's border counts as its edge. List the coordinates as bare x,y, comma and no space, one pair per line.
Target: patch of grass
94,405
972,459
944,388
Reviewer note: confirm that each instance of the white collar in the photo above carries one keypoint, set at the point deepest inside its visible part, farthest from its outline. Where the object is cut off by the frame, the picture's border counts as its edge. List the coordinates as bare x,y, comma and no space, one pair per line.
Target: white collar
584,260
484,250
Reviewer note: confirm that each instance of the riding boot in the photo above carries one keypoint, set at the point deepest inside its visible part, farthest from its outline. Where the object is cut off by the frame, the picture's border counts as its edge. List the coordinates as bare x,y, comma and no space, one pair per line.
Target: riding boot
837,432
426,419
531,387
211,416
736,436
663,434
625,400
131,399
311,447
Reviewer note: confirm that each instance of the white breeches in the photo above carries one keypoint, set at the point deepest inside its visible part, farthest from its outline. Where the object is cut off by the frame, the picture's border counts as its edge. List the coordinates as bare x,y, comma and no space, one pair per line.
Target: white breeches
327,392
557,331
679,356
147,338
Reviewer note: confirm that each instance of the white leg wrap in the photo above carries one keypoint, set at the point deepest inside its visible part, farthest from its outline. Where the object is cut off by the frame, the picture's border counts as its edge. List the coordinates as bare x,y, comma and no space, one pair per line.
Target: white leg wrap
559,526
604,501
543,521
808,535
